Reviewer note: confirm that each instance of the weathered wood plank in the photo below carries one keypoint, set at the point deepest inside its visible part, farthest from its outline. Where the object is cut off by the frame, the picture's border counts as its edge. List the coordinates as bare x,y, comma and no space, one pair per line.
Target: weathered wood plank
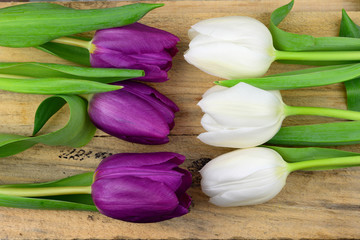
315,205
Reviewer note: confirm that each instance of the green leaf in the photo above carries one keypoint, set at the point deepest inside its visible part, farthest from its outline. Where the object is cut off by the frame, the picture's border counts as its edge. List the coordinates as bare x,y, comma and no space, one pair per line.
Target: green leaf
311,153
311,77
353,94
61,202
45,111
33,24
52,70
50,78
84,179
38,203
55,86
76,133
326,134
71,53
292,42
349,29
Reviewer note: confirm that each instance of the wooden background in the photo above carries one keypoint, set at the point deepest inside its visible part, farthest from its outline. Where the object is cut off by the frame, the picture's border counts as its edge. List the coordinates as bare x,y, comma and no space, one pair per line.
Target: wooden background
313,205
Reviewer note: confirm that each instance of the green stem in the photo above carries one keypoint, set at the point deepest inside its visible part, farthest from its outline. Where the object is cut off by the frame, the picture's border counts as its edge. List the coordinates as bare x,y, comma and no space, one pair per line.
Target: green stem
76,42
46,191
318,56
325,112
326,162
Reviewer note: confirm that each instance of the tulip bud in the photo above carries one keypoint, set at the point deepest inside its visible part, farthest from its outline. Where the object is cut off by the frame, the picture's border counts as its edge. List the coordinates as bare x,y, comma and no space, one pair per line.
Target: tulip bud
142,187
244,177
135,46
241,116
231,47
138,113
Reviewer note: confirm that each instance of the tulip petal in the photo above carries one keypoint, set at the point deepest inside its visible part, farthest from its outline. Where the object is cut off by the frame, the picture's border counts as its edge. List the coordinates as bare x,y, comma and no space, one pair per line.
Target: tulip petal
234,28
264,191
243,105
213,89
157,159
144,120
135,46
244,177
242,137
163,104
134,199
136,38
231,47
138,113
229,60
105,58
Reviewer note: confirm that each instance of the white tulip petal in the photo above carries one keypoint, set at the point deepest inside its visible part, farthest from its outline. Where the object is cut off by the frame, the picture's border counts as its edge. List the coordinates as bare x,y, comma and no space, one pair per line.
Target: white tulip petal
243,106
216,88
192,33
240,164
235,28
210,125
229,60
249,196
240,137
199,40
243,177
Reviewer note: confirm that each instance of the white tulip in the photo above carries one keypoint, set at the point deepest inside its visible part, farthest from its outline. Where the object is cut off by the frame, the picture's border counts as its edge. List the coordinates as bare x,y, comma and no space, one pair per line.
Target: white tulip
231,47
244,177
241,116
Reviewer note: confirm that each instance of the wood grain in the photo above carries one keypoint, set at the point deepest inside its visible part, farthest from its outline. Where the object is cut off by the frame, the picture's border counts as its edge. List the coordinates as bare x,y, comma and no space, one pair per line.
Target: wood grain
313,205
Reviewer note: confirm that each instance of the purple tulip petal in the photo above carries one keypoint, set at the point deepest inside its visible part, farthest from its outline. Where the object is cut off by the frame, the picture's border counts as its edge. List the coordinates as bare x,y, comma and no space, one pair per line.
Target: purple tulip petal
142,187
135,38
164,105
144,119
142,160
135,46
144,90
124,198
136,113
105,58
186,180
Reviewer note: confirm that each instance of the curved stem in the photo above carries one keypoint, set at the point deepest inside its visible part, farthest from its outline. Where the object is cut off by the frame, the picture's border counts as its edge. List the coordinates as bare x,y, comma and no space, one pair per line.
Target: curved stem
76,42
325,112
326,162
45,191
318,56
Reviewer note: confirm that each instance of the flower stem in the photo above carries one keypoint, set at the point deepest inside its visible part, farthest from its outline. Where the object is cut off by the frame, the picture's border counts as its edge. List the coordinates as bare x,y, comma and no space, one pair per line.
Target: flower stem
326,112
45,191
318,56
76,42
326,162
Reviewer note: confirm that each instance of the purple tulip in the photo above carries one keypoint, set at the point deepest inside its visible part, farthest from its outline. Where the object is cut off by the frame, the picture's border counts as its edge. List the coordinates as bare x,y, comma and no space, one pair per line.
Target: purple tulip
136,113
142,187
135,46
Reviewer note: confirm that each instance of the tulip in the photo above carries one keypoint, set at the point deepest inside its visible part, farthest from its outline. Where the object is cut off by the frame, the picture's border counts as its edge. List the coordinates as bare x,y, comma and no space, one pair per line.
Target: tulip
245,116
240,116
231,47
138,113
142,187
134,46
133,187
256,175
244,177
235,47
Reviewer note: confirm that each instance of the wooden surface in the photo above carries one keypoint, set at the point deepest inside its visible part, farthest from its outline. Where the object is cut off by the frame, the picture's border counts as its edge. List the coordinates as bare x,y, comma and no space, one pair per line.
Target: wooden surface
313,205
